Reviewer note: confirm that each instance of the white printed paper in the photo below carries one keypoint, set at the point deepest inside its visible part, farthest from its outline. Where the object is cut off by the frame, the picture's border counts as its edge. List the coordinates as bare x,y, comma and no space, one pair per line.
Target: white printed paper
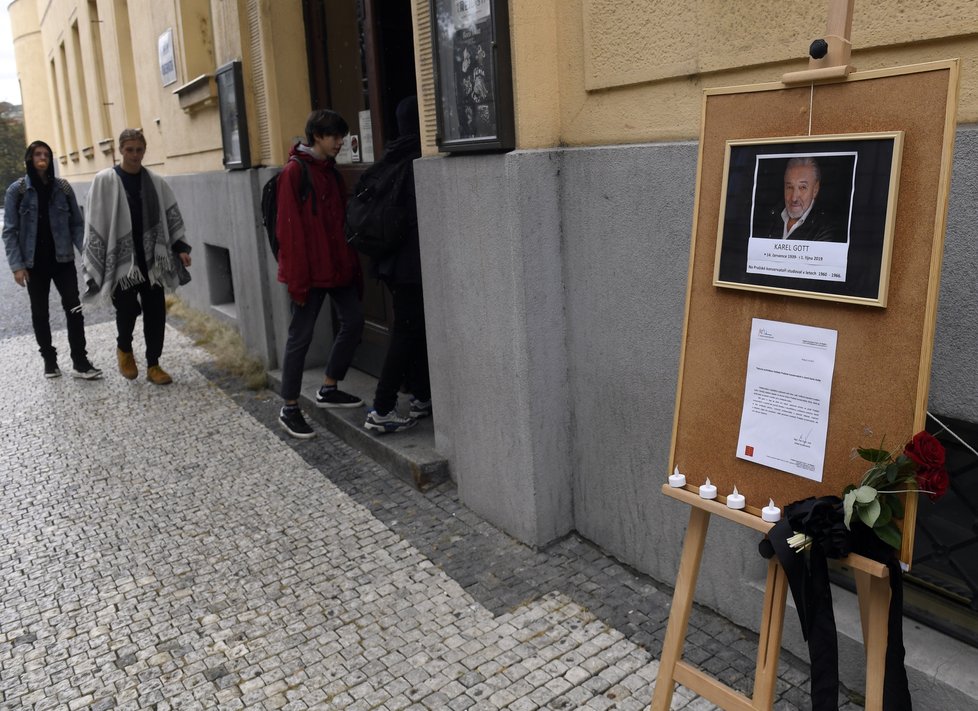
366,136
786,397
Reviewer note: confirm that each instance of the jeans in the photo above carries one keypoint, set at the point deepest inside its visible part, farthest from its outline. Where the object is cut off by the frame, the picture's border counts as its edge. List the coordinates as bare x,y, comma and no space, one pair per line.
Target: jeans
129,303
65,280
349,310
406,361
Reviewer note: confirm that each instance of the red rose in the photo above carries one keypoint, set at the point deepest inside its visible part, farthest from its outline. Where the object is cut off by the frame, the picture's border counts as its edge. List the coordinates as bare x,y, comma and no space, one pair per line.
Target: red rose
925,451
933,480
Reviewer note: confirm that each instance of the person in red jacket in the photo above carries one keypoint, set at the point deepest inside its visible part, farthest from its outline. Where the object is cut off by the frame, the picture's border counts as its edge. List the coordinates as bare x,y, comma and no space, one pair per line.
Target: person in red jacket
314,261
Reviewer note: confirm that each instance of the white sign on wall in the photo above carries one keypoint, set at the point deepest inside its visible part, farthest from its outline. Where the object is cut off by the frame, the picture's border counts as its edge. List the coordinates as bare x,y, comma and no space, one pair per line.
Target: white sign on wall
168,65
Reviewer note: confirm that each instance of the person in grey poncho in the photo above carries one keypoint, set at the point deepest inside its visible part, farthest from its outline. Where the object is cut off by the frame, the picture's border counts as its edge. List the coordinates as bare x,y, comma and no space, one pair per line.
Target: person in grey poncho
134,250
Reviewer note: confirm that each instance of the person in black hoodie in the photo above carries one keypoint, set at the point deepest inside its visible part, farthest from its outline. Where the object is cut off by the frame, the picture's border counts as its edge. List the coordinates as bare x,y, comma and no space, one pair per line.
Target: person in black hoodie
406,362
41,227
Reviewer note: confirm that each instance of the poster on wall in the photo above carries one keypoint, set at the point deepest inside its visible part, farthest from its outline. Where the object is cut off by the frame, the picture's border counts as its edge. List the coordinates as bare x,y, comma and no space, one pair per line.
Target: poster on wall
366,136
473,76
810,216
234,119
168,65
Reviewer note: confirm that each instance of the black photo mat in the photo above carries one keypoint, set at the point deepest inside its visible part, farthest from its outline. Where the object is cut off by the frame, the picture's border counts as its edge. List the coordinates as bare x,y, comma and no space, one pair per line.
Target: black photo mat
857,194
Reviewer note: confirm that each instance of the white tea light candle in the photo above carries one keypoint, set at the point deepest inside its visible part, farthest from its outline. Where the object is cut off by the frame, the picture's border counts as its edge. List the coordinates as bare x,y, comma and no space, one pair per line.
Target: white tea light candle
736,500
771,513
708,491
677,480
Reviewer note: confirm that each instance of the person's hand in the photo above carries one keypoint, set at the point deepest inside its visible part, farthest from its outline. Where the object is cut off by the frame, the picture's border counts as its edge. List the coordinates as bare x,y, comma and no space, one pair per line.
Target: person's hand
20,276
185,258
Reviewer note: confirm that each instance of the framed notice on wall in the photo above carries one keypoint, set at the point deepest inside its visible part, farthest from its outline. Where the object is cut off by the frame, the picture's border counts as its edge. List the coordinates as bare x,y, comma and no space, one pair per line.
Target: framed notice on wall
810,216
234,120
168,64
473,75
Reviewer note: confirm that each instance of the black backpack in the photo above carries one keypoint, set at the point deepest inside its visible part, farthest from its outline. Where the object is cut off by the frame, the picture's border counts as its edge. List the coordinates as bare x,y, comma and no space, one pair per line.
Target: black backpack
269,202
376,221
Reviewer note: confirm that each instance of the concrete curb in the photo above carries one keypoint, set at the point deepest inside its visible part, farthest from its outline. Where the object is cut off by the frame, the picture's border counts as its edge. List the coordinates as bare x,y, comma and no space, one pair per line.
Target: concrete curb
409,455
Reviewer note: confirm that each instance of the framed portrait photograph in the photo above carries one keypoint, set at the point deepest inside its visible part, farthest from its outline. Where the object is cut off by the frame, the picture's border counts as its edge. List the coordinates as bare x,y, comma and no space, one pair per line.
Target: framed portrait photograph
473,76
810,216
234,121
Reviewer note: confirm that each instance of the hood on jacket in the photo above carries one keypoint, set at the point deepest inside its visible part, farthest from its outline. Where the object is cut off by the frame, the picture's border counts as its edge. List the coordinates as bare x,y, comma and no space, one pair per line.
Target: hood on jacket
29,164
302,151
408,141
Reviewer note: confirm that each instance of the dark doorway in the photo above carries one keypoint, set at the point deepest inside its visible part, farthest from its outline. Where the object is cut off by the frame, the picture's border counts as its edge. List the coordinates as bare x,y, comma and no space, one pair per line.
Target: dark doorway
361,64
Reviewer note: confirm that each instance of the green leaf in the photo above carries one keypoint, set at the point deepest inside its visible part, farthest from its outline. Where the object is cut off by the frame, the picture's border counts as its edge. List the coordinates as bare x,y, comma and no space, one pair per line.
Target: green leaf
849,487
873,455
886,513
897,505
869,513
892,473
847,503
889,534
865,494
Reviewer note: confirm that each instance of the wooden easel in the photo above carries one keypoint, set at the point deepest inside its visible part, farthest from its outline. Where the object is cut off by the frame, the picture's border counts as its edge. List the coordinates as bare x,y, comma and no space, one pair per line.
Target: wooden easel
872,577
872,585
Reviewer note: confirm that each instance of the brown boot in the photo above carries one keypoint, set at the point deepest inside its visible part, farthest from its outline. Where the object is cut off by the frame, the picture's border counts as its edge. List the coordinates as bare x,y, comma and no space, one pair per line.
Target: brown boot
157,376
127,364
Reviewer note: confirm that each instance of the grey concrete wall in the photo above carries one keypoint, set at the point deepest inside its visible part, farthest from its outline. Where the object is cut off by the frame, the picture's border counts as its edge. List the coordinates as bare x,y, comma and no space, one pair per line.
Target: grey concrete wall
221,209
490,249
954,376
627,215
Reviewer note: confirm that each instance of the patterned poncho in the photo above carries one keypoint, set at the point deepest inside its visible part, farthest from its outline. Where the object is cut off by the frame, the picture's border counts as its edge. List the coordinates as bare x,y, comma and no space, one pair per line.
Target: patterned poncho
108,256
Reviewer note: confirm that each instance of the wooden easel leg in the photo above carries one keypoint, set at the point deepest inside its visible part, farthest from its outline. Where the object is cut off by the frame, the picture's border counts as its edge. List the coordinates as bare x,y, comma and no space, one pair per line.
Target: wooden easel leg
682,604
874,606
772,625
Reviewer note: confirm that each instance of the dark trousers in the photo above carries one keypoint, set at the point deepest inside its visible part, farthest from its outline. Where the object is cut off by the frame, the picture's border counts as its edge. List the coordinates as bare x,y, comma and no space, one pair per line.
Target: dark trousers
406,361
65,280
349,312
129,303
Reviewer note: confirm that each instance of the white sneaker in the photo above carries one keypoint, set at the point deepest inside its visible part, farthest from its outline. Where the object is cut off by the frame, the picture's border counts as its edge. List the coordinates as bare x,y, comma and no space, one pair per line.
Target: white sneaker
391,422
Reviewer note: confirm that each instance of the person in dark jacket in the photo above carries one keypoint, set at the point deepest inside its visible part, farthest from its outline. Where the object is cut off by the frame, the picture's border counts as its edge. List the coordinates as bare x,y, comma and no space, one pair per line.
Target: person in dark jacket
406,362
314,261
42,226
802,218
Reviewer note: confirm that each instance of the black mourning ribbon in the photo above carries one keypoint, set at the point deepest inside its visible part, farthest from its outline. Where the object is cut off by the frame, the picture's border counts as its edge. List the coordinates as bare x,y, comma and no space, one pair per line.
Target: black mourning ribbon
808,578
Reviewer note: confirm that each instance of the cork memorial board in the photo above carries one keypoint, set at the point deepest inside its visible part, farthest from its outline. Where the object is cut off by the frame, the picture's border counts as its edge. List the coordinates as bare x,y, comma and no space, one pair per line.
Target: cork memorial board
864,277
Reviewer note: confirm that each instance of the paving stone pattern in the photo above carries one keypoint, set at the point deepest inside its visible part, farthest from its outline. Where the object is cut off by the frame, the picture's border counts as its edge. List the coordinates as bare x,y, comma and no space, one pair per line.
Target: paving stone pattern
167,548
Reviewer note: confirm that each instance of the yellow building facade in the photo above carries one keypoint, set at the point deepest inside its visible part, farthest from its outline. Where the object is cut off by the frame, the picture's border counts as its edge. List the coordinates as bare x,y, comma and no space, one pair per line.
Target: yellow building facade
90,68
602,72
585,72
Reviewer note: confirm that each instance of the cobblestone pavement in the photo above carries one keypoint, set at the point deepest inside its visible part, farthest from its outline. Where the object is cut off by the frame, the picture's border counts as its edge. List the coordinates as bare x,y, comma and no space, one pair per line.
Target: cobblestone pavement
168,548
